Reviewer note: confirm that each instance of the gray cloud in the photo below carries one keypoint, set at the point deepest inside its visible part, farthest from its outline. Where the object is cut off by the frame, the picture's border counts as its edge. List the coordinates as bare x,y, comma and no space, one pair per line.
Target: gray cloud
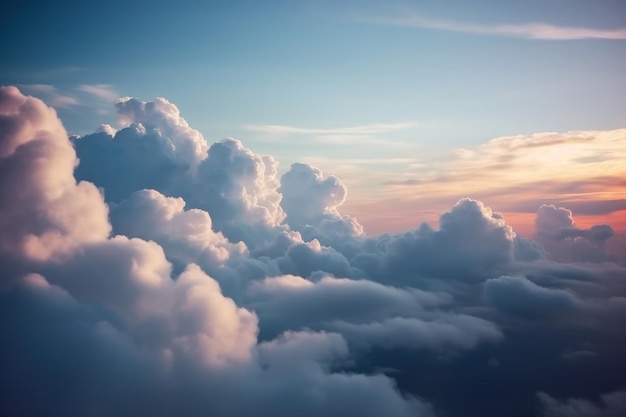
160,151
45,212
186,235
472,242
448,332
289,302
556,230
612,405
97,363
311,200
108,325
521,297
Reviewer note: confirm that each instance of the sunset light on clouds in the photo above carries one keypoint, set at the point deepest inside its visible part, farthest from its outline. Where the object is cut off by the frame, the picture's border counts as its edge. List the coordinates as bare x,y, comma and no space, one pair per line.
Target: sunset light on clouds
313,208
584,171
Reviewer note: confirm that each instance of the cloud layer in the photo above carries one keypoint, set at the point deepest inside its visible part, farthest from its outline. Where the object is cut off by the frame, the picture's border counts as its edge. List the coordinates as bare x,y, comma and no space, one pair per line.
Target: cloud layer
148,272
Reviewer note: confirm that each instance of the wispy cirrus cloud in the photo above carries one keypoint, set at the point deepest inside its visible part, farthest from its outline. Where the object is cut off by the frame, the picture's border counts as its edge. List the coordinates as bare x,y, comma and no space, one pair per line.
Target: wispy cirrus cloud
51,95
371,134
101,91
351,130
96,96
543,31
582,170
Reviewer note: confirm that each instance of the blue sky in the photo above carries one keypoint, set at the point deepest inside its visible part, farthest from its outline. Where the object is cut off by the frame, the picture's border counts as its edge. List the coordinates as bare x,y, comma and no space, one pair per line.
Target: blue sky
350,86
319,64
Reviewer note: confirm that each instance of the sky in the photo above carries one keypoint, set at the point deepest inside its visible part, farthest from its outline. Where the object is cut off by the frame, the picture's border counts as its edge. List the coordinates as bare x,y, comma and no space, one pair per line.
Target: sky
243,208
410,83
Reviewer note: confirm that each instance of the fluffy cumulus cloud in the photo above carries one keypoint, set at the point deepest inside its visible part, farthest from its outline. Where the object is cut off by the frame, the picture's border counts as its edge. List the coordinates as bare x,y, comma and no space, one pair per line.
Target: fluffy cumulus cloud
148,272
447,332
238,188
106,322
579,170
367,313
557,231
45,212
158,150
311,202
186,235
180,142
472,242
197,359
304,183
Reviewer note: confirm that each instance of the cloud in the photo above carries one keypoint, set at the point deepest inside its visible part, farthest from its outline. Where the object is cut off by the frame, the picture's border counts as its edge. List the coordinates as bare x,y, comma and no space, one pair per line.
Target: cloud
307,195
612,405
556,230
142,159
291,354
305,258
45,212
292,302
539,31
540,140
105,322
499,172
239,189
146,271
100,96
582,302
352,130
103,92
521,297
310,201
346,136
122,371
472,242
186,236
181,142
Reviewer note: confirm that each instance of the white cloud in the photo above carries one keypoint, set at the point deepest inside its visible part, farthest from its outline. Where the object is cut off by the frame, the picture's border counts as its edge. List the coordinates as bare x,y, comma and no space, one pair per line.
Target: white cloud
105,92
309,197
351,130
581,170
51,95
556,230
159,150
524,30
186,235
